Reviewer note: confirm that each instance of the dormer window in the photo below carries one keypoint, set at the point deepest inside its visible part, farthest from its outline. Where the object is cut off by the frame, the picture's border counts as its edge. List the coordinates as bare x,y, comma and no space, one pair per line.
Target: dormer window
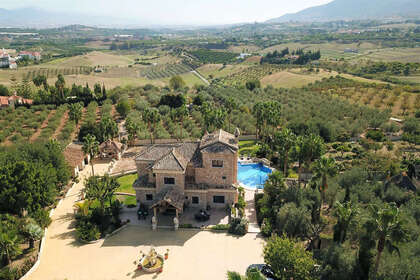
217,163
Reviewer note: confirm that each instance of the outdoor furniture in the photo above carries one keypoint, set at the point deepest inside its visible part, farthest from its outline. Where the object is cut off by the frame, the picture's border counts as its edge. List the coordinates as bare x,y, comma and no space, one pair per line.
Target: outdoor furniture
142,212
202,216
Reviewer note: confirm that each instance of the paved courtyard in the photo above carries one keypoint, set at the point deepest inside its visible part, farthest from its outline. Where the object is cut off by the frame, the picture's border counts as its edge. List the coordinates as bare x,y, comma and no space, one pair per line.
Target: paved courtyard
193,254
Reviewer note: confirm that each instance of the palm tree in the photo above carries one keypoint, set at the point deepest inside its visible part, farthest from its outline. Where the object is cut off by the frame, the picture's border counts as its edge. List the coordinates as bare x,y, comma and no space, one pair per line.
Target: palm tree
32,232
91,148
152,117
322,168
83,207
387,227
314,148
75,112
132,127
283,142
346,214
60,84
108,128
298,154
9,246
230,105
181,113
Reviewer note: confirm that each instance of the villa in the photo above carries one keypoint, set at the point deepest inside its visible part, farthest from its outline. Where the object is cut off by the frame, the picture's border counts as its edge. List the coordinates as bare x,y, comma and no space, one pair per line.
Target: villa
199,174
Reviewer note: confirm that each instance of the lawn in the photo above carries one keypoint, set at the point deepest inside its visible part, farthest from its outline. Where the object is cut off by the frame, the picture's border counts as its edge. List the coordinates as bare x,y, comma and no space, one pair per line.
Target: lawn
126,186
126,183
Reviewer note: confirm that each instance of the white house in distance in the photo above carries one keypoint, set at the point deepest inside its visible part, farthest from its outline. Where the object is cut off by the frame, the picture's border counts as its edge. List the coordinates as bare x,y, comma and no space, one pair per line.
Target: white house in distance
6,61
30,55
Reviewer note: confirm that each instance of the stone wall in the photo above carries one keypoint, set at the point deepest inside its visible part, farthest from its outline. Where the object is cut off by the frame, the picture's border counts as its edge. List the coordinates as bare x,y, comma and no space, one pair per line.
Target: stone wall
206,198
222,176
179,180
141,195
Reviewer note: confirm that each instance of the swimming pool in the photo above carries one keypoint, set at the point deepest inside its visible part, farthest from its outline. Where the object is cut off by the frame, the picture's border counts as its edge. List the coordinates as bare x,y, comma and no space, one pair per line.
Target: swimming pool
253,175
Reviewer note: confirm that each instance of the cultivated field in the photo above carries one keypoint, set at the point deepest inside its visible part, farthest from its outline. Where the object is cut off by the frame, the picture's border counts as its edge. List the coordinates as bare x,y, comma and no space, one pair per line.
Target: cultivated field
395,54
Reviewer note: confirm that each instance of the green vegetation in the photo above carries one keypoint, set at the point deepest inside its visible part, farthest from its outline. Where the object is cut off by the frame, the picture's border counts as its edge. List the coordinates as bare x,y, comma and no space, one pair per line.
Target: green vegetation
208,56
126,183
98,214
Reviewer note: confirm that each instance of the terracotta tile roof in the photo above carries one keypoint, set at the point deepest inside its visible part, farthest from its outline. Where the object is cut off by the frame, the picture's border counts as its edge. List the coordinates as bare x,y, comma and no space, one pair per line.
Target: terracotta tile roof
171,156
74,155
4,100
171,196
172,161
114,144
219,136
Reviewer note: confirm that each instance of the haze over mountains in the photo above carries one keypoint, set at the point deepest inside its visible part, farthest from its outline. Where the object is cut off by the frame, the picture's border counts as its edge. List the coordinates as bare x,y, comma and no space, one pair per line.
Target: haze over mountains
355,9
335,10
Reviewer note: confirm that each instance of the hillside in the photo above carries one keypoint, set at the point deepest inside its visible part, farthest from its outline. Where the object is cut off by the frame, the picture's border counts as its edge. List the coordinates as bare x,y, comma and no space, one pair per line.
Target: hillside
355,9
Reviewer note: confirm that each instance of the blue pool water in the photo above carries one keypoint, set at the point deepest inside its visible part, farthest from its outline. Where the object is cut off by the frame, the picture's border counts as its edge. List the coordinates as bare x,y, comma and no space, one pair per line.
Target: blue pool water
253,175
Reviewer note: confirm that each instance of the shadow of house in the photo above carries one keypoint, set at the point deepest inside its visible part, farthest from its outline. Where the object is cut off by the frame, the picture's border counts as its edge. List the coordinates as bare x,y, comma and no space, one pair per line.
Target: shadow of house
134,236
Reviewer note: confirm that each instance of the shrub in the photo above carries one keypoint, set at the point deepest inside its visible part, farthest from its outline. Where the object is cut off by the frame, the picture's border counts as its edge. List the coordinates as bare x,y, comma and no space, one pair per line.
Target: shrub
87,231
266,228
186,226
41,217
238,226
375,135
220,227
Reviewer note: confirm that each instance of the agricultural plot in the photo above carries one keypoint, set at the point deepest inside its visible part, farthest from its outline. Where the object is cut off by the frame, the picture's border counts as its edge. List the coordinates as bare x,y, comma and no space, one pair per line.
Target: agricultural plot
208,56
332,50
251,73
23,124
400,103
294,78
395,54
93,59
165,71
210,71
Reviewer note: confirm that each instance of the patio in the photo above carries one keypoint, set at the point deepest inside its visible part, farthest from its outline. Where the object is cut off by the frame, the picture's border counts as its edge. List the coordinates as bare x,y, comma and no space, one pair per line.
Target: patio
217,216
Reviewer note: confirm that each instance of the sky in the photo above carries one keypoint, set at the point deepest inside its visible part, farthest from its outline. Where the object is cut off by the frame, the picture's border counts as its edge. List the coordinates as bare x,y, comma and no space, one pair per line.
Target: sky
179,12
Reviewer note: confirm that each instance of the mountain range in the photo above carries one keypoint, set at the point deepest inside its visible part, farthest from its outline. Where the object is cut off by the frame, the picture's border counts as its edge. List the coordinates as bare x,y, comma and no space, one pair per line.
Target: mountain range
335,10
355,10
38,18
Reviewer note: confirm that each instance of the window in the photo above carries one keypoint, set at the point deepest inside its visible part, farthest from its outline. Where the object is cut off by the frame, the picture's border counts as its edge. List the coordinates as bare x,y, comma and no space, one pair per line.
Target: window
169,181
195,200
223,177
217,163
218,199
149,197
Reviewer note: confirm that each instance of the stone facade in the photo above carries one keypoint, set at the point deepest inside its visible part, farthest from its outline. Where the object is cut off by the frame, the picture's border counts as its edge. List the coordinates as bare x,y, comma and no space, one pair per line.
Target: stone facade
204,172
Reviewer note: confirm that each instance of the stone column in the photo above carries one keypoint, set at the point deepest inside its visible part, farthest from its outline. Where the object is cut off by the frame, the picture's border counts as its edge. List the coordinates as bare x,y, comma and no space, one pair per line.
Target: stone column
154,219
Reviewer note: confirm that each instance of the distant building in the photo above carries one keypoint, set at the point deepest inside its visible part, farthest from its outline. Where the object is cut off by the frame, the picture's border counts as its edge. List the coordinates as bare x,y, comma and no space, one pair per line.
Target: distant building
76,158
8,101
123,36
111,149
348,50
243,55
30,55
6,61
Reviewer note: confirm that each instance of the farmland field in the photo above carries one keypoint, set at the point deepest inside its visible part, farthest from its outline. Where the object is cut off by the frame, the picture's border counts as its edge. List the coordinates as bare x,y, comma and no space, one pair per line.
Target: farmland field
395,54
328,50
92,59
294,78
